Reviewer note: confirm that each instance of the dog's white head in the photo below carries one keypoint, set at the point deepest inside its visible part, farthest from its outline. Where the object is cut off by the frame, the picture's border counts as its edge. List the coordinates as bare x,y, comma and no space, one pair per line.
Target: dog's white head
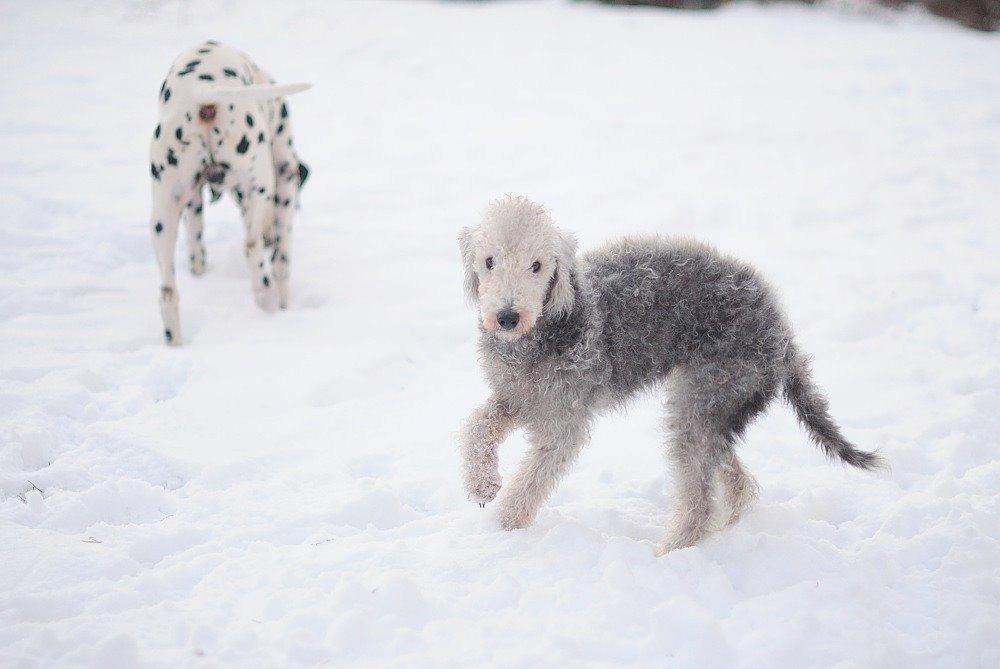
518,266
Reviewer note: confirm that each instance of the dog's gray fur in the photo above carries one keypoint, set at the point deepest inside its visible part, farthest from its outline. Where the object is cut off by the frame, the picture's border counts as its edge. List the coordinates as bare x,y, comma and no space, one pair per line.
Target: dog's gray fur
597,330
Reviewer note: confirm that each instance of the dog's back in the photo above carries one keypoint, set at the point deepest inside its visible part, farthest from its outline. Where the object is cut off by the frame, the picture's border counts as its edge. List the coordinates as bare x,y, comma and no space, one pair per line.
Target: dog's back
669,301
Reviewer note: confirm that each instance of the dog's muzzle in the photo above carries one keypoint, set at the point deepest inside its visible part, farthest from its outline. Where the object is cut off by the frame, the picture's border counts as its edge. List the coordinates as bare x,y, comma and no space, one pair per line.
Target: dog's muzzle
508,319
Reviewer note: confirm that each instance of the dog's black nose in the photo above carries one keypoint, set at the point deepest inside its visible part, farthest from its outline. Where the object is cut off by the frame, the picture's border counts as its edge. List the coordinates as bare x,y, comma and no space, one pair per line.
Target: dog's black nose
508,318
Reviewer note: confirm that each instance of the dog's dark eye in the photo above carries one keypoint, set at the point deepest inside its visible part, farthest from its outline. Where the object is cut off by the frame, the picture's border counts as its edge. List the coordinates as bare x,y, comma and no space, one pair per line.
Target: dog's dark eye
536,266
489,263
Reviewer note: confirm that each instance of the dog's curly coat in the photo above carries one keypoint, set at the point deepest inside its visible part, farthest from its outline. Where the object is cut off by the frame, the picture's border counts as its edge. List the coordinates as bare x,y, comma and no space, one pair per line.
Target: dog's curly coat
564,338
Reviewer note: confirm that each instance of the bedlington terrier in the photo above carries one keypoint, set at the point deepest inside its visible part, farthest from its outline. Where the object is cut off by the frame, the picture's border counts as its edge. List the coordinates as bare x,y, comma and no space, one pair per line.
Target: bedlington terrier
565,338
223,125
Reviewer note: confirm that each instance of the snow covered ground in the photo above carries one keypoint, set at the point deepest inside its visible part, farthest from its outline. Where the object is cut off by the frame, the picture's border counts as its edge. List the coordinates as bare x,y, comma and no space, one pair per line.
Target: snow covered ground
283,490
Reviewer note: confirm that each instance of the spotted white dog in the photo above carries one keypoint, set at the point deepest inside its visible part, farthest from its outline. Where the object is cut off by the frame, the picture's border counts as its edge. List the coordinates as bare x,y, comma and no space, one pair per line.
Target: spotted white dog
223,125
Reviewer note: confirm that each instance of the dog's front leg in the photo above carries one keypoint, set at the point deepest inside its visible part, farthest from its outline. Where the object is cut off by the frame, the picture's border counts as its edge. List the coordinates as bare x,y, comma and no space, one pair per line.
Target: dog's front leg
554,447
479,439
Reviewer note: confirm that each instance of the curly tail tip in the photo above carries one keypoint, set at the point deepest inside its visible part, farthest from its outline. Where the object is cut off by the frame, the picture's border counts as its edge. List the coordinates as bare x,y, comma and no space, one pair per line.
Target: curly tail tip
812,410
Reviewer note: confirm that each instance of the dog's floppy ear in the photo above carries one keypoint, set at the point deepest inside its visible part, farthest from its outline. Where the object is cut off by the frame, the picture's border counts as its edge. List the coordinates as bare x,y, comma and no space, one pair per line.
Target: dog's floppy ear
562,294
467,247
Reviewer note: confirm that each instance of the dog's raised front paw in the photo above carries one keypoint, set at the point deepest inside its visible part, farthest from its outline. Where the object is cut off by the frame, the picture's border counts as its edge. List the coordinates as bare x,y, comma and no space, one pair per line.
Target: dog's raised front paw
484,489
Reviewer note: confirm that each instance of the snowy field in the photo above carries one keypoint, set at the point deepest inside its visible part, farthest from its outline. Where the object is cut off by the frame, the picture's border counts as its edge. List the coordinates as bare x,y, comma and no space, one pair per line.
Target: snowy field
284,489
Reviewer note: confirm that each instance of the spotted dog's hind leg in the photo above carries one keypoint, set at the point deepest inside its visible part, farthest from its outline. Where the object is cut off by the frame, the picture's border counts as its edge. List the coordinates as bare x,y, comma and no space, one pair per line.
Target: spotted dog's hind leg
290,176
164,222
259,214
194,223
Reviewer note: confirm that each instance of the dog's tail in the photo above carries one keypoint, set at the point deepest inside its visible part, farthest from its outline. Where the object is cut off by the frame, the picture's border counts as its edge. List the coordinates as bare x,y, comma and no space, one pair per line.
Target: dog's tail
812,410
205,95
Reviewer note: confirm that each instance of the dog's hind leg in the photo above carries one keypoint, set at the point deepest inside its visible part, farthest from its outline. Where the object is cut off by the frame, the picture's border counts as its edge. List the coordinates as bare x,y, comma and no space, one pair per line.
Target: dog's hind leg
696,446
695,451
289,179
164,222
553,449
739,488
259,214
194,223
707,411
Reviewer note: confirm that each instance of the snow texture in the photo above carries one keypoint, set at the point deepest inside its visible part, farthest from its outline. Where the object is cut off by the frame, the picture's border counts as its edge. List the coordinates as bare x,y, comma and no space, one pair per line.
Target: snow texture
285,490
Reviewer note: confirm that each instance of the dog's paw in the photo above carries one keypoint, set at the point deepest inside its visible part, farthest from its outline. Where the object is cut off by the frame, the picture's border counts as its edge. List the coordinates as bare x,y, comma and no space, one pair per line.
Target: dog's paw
282,283
172,336
673,541
263,293
484,489
514,517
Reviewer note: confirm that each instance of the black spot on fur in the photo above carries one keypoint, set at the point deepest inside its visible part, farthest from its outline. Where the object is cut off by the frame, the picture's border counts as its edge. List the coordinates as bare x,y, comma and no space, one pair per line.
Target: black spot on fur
229,72
284,110
232,107
260,138
281,128
158,227
303,173
168,335
206,77
154,171
249,120
171,157
243,145
192,63
204,51
211,42
215,174
166,95
156,133
266,282
198,210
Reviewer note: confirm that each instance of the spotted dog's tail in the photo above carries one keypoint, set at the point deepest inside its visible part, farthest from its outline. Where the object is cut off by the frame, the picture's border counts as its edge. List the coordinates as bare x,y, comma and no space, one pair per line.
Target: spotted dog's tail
205,95
812,410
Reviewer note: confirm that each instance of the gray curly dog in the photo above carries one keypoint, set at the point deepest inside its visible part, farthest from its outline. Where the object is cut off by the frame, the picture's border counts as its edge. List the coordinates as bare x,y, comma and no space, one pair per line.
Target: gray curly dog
566,338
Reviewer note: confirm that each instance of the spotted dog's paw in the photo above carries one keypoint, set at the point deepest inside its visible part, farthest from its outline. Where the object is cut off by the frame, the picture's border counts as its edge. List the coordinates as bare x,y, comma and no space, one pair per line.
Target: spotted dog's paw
263,292
282,292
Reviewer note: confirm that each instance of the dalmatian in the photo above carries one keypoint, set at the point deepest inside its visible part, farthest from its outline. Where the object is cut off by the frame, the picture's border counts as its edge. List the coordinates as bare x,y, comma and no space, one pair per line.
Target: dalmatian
223,126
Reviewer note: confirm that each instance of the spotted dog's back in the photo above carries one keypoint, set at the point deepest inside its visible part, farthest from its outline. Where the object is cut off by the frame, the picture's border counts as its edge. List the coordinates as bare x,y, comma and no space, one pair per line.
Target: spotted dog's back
224,125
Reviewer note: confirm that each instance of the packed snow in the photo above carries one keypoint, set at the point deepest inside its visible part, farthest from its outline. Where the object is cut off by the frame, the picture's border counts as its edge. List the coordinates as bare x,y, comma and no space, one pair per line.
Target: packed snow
284,489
